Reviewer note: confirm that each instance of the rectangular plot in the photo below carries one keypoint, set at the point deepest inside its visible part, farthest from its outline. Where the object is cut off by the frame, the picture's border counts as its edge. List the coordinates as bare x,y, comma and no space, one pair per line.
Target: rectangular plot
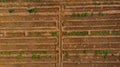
100,32
75,33
91,39
115,33
30,40
15,34
28,17
27,24
91,28
91,23
10,47
30,65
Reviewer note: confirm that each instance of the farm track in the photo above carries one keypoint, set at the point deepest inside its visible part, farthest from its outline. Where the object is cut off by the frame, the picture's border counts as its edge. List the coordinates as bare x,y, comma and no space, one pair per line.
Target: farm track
42,33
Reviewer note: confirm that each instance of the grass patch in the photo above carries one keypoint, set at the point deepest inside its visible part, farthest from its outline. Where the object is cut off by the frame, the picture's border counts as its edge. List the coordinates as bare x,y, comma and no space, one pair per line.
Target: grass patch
116,33
19,56
11,10
6,52
101,14
35,33
79,15
75,33
54,33
36,56
100,33
84,14
66,55
5,0
43,52
101,52
16,34
85,51
73,14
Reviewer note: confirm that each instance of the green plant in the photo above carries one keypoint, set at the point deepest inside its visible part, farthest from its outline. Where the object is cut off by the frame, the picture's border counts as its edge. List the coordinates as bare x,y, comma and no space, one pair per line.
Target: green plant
100,33
75,33
5,0
6,52
43,52
84,14
49,56
36,56
11,10
73,14
85,51
19,56
105,56
116,32
23,52
54,33
101,14
31,10
100,52
66,55
34,52
78,15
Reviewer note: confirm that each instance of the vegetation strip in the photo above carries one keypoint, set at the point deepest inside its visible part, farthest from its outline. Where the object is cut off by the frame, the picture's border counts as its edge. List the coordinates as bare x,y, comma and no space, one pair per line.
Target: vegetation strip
116,33
75,33
85,14
100,33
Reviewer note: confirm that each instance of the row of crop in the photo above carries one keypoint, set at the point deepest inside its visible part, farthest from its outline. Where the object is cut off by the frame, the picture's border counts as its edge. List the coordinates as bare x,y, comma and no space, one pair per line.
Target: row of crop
85,14
96,2
32,10
83,33
19,34
103,53
35,54
23,0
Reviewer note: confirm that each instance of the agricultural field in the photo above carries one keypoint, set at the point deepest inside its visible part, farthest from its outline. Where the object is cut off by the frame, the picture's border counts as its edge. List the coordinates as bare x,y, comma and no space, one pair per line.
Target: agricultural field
59,33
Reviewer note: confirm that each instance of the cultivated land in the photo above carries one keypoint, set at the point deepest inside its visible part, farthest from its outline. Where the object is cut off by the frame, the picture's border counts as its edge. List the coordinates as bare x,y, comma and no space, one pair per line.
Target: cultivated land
59,33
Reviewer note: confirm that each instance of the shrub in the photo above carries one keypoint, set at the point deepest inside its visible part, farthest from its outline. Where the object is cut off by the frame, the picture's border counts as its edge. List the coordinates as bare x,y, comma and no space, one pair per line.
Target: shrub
36,56
84,14
85,51
78,15
73,14
31,10
11,10
54,33
66,55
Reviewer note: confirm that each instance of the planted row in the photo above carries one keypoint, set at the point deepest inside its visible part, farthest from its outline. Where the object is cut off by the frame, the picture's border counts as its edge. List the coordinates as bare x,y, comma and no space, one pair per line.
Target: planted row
29,10
104,53
35,54
83,33
21,0
85,14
